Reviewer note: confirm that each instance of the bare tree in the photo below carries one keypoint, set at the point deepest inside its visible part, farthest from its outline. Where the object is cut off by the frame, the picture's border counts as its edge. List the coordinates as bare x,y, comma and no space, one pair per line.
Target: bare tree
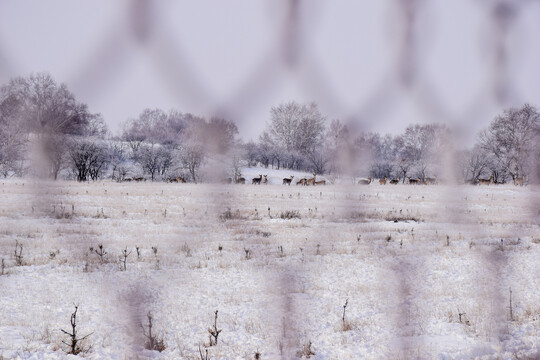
154,159
297,127
50,112
191,156
474,163
88,158
510,139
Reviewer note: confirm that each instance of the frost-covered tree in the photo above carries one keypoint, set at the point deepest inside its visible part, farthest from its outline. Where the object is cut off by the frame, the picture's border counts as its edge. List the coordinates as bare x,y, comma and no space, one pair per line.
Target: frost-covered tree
37,108
297,127
510,138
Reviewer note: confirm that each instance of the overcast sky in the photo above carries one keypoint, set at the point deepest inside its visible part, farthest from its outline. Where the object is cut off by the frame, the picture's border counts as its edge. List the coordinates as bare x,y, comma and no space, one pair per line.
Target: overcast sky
356,59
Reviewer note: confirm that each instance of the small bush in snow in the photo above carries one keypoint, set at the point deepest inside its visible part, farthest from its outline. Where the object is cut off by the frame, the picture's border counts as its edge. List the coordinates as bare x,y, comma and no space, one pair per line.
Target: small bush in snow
75,345
100,251
402,218
153,342
230,215
186,250
306,350
124,257
345,324
214,332
18,253
290,214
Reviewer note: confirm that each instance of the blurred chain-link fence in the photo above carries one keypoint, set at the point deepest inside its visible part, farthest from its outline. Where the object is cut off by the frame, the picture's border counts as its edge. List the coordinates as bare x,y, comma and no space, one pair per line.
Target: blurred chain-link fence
415,30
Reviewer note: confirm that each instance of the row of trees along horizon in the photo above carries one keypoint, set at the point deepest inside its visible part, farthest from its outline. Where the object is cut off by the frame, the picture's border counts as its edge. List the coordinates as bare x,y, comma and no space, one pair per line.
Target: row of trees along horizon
46,132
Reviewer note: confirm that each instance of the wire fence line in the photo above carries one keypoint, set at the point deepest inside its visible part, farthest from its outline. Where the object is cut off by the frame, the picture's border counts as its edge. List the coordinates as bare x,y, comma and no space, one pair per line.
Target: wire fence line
142,28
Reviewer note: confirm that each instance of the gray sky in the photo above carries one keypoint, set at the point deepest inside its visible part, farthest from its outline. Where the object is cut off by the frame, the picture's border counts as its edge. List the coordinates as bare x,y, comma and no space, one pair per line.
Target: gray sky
238,58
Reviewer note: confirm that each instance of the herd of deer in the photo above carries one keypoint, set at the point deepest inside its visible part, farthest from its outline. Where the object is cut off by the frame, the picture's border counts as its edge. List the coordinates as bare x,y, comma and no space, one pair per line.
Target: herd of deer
433,181
518,181
304,181
411,181
262,179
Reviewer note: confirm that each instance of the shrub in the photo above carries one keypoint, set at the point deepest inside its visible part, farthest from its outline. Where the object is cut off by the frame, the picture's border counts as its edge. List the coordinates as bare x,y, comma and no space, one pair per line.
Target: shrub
290,214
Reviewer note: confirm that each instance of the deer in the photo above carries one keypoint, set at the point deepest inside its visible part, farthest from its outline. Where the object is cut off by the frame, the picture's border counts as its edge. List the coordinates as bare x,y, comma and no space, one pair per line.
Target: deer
312,180
301,182
364,181
394,181
518,181
322,182
383,181
128,179
288,181
485,181
180,179
240,180
139,179
414,181
258,180
171,180
430,181
264,179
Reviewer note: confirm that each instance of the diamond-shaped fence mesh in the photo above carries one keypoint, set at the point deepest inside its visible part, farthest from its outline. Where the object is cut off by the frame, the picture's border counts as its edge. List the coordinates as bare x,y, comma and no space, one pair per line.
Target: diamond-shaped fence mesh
289,280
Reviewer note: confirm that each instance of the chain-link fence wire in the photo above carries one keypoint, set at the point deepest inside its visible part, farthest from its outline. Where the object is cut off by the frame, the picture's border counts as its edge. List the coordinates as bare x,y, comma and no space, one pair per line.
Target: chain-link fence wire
143,28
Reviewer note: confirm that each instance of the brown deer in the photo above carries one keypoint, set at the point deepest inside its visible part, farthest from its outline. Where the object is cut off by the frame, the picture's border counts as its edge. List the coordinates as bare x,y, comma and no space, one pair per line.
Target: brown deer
430,181
414,181
139,179
240,180
264,179
288,181
518,181
178,179
485,181
322,182
394,181
383,181
301,182
312,180
258,180
128,179
364,181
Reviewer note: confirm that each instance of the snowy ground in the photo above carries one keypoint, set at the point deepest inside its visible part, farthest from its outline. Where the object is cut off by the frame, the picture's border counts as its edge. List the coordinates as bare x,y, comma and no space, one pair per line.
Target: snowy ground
409,259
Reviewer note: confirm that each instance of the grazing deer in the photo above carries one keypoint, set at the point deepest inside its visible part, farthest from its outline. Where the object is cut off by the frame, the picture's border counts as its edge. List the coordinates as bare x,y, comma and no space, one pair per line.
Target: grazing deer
258,180
518,181
364,181
240,180
394,181
178,179
128,179
301,182
312,180
139,179
322,182
414,181
288,181
430,181
485,181
383,181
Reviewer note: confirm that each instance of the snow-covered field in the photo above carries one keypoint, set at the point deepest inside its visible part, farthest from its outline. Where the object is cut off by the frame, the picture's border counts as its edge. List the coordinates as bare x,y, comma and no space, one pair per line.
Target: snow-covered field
278,263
